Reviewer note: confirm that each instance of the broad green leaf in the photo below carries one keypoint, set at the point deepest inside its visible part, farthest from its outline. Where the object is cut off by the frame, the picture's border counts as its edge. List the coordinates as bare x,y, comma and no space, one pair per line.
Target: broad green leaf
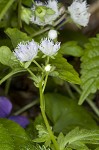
66,114
4,6
78,138
16,132
71,48
90,69
64,70
6,142
7,57
16,36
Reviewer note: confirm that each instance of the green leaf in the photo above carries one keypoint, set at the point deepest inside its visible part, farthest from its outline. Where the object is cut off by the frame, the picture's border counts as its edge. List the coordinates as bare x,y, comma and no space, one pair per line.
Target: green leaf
66,114
71,48
90,69
4,6
77,139
16,36
6,142
26,14
64,70
7,57
16,132
43,135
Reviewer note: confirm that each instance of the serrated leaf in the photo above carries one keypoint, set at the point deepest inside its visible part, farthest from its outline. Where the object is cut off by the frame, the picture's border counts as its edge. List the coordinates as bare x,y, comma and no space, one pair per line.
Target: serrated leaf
78,139
16,36
6,142
71,48
43,135
65,70
90,69
7,57
17,133
4,6
65,114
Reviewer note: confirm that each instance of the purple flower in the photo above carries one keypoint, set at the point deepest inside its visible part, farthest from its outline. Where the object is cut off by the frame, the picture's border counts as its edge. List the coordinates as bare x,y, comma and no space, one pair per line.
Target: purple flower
5,110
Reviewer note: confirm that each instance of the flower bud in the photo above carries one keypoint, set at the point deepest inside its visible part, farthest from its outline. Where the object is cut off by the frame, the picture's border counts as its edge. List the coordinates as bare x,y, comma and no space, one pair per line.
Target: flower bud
52,34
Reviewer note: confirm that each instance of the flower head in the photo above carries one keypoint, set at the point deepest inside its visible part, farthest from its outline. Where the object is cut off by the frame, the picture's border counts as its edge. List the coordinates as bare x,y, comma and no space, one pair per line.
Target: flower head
5,110
79,12
26,51
48,47
52,34
44,14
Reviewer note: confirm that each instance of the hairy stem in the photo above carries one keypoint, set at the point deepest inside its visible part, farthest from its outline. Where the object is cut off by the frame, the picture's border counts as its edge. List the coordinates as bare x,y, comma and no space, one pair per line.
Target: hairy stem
45,118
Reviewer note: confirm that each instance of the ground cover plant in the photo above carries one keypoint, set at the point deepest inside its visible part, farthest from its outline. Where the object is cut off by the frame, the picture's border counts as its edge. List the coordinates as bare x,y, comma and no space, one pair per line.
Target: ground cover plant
49,75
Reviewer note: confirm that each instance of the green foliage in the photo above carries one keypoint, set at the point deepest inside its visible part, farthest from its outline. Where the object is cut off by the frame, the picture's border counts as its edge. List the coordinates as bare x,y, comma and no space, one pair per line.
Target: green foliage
65,114
64,70
13,137
43,135
78,139
6,141
4,6
16,36
90,69
7,57
71,48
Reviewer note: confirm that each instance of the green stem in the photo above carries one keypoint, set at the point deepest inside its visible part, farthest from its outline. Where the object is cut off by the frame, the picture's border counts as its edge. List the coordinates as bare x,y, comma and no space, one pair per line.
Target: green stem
58,21
90,102
7,86
69,91
32,74
38,65
3,12
40,32
26,107
19,14
45,82
45,118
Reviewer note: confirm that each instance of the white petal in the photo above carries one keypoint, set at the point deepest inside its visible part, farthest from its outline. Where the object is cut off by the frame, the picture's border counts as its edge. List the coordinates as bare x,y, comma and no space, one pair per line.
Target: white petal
79,12
48,47
26,51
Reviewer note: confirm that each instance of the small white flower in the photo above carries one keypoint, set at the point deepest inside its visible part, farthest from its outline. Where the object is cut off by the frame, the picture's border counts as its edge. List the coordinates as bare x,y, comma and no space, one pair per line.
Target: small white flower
51,5
79,12
48,47
26,51
52,34
47,68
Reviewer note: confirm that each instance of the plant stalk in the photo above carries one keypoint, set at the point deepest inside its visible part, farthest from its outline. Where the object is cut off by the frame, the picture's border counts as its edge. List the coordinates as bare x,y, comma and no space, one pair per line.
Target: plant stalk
45,118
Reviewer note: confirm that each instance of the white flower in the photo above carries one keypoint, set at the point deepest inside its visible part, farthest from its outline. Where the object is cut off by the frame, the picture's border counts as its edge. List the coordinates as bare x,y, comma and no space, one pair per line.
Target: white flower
26,51
52,34
48,47
49,11
79,12
47,68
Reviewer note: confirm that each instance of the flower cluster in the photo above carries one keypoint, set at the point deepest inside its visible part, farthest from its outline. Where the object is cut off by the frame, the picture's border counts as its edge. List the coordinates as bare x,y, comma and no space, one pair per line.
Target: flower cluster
44,14
79,12
27,51
5,110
